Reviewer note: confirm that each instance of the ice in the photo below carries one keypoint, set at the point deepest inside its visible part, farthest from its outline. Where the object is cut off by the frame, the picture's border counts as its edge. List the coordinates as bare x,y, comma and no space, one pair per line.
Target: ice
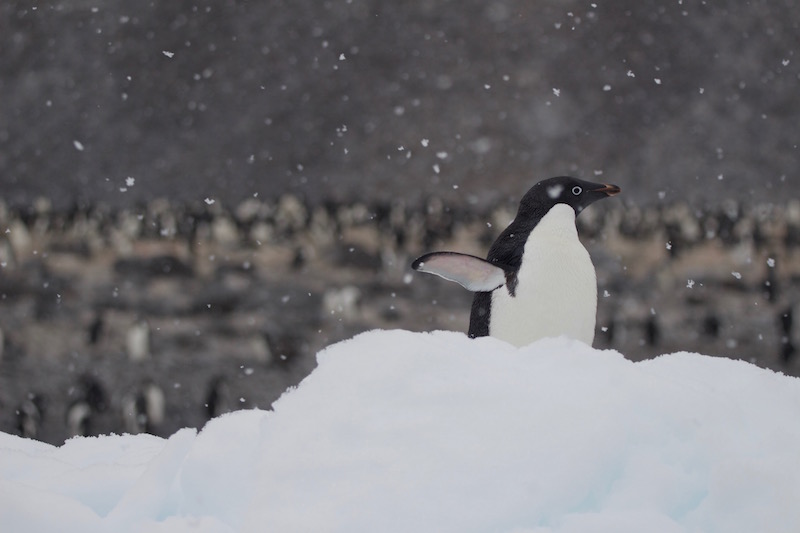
401,431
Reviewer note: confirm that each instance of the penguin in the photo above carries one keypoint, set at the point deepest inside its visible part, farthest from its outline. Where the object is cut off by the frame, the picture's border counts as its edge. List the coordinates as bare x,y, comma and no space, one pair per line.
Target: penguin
538,279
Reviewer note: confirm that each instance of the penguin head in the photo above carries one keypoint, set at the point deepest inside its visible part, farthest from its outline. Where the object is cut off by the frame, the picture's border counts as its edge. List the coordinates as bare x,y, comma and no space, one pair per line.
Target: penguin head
578,194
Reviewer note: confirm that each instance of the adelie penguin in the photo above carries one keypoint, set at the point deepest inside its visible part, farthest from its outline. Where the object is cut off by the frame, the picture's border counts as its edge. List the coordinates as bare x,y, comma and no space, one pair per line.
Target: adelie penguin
537,280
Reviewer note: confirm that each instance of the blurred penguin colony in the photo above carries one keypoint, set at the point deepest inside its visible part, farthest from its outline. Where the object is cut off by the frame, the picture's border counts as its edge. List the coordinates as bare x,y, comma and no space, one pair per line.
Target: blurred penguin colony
161,316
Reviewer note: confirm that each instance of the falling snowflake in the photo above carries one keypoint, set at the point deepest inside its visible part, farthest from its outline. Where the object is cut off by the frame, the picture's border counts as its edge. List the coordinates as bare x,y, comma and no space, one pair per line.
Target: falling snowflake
168,54
78,145
555,191
771,262
209,201
690,284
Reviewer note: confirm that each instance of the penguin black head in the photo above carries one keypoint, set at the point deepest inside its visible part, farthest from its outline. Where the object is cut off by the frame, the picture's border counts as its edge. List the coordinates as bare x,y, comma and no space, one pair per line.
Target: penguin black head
578,194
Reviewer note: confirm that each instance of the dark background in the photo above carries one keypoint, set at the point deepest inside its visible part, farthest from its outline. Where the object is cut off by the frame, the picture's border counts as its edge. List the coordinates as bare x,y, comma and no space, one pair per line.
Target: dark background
332,99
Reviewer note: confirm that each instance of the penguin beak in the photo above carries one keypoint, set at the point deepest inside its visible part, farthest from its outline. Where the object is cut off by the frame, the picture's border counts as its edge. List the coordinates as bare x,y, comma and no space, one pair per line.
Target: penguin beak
608,190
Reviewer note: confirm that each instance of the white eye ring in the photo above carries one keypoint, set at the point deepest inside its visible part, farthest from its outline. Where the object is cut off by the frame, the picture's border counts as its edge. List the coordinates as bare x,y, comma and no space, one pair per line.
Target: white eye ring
576,190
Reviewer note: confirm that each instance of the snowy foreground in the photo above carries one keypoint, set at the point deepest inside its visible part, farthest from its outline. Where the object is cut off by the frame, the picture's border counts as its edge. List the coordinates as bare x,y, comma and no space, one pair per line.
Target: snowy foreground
413,432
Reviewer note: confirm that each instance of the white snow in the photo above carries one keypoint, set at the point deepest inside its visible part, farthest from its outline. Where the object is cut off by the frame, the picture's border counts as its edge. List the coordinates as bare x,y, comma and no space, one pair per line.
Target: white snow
415,432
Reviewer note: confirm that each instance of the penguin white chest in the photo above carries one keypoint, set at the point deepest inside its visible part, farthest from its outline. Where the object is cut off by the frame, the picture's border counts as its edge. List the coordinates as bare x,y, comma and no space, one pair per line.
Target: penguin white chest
556,290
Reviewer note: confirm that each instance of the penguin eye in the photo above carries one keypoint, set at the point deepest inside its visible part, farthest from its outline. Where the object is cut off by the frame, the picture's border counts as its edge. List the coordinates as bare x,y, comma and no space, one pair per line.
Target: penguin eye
576,190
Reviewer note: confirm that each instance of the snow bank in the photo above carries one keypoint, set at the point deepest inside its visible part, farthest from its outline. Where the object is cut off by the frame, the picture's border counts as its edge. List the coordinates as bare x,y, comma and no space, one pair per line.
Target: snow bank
399,431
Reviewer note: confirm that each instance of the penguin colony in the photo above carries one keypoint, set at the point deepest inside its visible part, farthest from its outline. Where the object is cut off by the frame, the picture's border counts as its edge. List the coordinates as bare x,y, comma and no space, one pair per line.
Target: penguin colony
224,308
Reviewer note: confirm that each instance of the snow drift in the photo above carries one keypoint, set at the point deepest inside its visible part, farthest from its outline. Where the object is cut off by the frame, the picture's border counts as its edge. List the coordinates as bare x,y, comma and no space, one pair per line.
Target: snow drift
399,431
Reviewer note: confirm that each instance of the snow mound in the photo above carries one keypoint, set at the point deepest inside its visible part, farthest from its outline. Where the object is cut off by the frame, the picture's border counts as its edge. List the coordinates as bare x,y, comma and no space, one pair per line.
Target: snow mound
400,431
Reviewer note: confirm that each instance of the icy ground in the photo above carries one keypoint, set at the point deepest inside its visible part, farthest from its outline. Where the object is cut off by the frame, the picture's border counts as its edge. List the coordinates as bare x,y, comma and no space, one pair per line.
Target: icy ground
414,432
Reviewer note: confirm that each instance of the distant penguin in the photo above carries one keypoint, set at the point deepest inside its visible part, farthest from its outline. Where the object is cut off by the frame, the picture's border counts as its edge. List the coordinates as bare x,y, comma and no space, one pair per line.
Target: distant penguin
78,419
145,410
219,398
137,340
30,415
786,321
538,279
95,328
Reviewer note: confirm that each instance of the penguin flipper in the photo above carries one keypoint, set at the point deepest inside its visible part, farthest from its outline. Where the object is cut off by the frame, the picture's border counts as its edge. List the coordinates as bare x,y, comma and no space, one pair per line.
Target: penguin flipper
472,273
